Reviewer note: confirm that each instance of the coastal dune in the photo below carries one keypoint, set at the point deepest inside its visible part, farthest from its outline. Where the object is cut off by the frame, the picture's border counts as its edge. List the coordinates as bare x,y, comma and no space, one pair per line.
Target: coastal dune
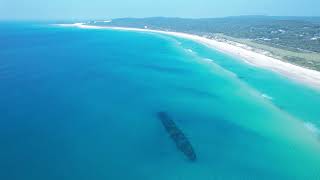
291,71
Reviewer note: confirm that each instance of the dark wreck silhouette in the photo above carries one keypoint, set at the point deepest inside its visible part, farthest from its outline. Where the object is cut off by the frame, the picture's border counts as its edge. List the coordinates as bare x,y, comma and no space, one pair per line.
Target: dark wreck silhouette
177,136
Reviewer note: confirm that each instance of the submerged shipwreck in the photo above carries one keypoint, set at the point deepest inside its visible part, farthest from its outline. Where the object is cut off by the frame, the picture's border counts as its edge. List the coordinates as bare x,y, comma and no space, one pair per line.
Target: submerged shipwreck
177,136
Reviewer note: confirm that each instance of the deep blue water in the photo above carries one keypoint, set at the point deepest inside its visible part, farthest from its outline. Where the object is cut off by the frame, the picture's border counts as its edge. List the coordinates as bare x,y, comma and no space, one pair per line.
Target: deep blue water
81,104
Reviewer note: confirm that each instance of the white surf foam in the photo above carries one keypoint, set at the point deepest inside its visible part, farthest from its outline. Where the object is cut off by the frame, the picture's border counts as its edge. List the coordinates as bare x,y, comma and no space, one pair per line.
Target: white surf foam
301,74
265,96
190,51
208,60
312,128
79,25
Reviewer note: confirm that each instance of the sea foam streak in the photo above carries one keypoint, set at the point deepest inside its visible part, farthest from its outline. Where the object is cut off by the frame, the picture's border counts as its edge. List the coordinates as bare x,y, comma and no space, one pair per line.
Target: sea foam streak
312,128
266,96
191,51
208,60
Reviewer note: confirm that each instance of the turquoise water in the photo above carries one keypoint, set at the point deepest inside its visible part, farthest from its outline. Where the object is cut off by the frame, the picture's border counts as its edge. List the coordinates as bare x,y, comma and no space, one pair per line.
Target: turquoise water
81,104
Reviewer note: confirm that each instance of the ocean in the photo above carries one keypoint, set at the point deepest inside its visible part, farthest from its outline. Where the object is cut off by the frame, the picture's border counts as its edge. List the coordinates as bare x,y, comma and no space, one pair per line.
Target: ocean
79,104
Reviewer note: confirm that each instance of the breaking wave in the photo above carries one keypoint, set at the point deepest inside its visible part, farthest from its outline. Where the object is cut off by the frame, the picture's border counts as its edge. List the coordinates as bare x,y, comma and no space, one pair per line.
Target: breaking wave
312,128
265,96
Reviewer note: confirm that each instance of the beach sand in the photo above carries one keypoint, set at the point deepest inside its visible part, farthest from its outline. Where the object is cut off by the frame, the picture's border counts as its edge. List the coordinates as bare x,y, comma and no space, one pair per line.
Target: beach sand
294,72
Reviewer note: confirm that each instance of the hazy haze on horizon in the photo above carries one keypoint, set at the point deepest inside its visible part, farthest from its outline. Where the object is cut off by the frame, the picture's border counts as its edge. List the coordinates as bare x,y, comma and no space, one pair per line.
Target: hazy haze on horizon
99,9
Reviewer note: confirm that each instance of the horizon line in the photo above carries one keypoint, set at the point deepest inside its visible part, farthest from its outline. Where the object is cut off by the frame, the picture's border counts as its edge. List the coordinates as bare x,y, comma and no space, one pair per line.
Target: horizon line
146,17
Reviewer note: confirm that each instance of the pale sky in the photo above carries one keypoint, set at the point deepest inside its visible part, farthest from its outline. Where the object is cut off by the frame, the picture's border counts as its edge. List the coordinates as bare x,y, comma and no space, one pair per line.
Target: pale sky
105,9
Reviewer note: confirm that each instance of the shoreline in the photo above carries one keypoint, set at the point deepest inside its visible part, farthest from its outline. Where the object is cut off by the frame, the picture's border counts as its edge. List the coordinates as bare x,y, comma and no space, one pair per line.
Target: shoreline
291,71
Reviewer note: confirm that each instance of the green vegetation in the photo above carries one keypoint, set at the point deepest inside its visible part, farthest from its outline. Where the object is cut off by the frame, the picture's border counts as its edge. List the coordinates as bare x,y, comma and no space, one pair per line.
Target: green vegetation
306,59
293,39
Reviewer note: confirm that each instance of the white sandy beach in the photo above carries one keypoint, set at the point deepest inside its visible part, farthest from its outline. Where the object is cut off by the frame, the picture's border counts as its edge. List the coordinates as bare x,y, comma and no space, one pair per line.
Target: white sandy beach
294,72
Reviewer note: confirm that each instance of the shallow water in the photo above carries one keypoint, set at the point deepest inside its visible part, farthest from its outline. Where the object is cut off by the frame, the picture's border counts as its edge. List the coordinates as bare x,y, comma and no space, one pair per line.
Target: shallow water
82,104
